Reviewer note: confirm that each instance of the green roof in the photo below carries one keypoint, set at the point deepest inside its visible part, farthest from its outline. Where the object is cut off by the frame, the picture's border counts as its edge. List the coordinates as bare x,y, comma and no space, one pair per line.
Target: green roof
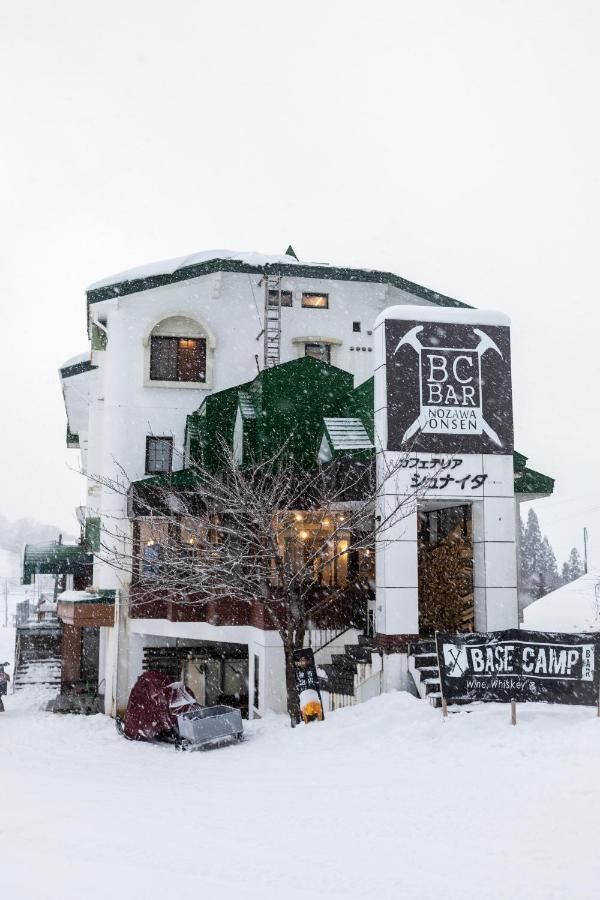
77,369
55,559
289,405
294,270
527,481
283,405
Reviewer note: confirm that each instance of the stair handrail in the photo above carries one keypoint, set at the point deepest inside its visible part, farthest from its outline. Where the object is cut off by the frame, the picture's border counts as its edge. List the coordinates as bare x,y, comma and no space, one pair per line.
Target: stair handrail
336,636
16,659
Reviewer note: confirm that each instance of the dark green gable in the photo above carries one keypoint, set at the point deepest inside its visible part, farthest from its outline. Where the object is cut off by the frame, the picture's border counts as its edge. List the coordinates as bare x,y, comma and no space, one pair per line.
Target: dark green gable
284,405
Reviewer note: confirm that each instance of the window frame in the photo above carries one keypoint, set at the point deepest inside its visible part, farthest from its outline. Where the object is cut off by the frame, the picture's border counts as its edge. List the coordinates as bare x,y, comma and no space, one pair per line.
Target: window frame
324,344
308,294
289,298
167,339
158,437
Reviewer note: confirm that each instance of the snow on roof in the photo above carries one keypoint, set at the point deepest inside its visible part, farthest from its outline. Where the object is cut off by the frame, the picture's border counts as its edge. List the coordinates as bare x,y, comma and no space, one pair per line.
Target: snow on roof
76,596
575,607
75,360
347,434
168,266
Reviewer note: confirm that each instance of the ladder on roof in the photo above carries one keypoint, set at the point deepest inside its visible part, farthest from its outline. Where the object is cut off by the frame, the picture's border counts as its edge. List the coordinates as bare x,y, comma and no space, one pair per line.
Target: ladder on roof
272,330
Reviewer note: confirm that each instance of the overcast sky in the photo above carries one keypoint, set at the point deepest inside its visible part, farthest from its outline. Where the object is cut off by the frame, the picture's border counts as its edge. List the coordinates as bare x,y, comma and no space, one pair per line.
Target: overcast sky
456,144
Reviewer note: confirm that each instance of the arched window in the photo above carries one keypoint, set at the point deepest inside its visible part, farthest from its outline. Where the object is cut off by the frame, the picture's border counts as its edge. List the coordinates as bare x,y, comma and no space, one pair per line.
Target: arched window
178,351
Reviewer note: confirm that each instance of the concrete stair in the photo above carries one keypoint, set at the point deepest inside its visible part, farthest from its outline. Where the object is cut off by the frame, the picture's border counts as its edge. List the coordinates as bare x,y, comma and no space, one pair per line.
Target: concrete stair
350,676
423,666
46,672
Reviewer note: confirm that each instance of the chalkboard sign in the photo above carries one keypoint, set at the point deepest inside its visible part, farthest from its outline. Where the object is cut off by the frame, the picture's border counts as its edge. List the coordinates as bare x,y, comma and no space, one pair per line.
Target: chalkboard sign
307,685
519,665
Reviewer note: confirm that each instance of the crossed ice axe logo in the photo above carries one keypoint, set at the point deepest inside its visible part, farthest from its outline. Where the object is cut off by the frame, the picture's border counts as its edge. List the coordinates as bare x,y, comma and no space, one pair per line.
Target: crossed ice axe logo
455,658
485,343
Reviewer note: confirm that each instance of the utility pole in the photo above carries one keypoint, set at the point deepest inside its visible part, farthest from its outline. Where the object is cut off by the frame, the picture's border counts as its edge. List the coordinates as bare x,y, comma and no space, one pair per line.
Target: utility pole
5,603
585,550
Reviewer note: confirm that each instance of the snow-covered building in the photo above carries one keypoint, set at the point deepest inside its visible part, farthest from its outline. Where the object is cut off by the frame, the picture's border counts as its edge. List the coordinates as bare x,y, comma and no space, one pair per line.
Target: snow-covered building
172,341
574,607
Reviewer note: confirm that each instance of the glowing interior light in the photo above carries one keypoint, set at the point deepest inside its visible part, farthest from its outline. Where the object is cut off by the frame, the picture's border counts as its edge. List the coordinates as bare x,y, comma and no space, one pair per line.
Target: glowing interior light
299,517
304,535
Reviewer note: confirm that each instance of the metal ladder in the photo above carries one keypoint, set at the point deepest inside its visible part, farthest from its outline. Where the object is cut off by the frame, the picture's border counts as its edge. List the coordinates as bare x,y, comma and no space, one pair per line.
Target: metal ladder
272,321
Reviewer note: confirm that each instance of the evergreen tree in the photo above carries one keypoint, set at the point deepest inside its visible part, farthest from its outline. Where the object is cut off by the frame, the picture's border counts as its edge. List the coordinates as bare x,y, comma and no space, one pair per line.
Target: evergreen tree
573,568
531,547
539,570
549,566
539,587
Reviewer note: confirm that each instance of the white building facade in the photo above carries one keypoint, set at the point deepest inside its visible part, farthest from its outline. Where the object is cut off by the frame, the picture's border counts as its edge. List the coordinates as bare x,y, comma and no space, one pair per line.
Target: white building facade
163,338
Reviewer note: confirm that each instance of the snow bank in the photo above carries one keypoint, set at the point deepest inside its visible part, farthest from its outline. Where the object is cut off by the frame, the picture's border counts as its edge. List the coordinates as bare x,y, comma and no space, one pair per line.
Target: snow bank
383,801
573,607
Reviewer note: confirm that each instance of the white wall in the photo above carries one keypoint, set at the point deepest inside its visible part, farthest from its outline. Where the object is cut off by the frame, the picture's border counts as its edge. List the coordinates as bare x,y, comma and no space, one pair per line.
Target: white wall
124,407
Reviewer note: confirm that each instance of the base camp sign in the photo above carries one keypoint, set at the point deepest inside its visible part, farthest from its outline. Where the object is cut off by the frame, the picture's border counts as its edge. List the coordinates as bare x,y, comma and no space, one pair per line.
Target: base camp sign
519,665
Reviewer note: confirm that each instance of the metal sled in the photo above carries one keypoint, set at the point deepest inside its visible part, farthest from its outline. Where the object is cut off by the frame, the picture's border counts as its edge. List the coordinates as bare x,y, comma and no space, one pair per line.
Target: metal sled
213,724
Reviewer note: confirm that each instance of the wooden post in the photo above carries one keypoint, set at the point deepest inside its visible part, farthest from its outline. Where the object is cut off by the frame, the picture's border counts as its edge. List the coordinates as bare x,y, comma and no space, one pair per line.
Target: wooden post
513,712
445,708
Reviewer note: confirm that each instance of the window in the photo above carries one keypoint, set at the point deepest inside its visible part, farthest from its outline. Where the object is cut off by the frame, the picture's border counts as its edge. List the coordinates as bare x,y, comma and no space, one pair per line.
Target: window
159,455
256,701
319,350
317,540
151,536
286,298
356,326
177,358
315,301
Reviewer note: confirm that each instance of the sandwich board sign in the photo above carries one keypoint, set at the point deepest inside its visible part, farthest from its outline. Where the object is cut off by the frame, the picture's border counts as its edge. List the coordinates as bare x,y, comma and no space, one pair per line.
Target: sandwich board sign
519,666
307,685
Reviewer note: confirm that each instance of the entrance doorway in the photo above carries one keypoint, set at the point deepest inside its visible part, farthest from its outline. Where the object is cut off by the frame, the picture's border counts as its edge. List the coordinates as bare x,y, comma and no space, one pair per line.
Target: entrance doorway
445,546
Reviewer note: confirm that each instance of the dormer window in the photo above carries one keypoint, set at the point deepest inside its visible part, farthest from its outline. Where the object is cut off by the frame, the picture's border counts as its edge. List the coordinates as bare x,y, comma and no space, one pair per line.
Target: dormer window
315,301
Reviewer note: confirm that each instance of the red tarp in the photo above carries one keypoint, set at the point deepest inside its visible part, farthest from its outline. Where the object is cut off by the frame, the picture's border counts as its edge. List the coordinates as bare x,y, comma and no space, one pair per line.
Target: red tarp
154,704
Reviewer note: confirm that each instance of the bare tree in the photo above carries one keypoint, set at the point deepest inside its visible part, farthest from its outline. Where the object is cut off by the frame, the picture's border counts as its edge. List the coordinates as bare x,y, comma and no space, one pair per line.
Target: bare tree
260,534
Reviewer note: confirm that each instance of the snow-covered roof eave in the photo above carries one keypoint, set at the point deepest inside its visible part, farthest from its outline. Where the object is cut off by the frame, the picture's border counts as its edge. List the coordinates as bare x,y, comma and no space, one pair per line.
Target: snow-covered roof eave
169,266
159,274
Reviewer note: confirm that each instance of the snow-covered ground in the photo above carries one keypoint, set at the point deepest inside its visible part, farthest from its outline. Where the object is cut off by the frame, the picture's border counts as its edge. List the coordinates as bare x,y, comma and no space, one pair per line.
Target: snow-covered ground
380,801
573,607
384,800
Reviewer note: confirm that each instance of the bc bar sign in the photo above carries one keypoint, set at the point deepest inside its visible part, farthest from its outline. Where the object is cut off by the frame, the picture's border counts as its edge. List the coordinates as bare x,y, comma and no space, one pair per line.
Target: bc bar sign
448,387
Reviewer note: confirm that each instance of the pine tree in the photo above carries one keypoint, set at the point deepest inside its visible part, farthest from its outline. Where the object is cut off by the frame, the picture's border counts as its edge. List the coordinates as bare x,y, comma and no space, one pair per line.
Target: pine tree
531,547
573,568
549,567
539,570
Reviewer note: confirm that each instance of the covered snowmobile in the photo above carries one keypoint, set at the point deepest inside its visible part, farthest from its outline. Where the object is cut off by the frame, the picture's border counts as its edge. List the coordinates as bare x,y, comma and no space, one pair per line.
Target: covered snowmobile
154,704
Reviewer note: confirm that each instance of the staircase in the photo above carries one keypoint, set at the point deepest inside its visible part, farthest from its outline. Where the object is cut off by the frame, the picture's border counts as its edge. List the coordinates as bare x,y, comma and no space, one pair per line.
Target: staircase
37,656
352,676
46,672
423,666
